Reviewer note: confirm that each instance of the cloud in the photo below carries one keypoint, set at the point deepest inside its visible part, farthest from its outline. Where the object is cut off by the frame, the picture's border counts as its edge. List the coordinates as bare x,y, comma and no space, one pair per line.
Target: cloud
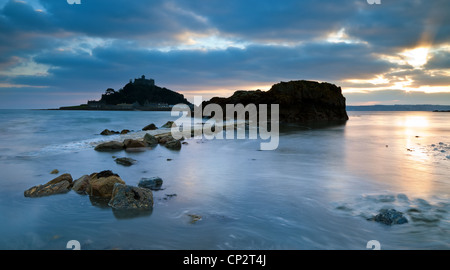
198,45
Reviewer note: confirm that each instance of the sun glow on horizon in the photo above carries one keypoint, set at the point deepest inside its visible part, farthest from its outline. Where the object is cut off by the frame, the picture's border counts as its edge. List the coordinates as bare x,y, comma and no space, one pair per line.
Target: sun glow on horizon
416,57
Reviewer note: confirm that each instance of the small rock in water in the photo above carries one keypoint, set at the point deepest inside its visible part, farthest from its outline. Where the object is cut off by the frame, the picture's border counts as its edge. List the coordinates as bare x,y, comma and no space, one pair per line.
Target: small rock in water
125,161
153,183
390,217
55,171
194,218
169,196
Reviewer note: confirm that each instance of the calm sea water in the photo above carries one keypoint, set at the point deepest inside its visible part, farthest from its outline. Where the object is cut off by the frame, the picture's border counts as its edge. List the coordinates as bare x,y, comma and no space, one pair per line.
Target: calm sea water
315,191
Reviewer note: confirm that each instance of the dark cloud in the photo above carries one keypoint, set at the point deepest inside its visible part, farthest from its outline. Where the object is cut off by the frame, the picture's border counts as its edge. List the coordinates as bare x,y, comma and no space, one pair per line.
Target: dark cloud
99,44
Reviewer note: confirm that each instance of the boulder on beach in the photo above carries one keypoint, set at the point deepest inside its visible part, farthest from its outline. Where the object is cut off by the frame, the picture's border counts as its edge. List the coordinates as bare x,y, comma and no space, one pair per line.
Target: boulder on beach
390,217
80,185
129,197
173,145
150,139
169,124
110,146
153,183
60,184
101,184
131,143
125,131
125,161
150,127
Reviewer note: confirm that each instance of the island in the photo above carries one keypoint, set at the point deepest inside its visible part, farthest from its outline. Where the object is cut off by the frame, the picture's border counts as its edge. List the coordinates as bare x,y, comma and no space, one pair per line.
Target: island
139,95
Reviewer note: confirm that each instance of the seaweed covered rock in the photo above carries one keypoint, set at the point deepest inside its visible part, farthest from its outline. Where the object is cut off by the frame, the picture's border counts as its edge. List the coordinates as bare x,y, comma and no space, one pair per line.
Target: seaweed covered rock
390,217
102,184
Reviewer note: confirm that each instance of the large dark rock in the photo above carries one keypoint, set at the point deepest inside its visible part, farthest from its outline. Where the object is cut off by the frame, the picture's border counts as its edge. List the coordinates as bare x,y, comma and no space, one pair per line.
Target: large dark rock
129,197
390,217
60,184
299,101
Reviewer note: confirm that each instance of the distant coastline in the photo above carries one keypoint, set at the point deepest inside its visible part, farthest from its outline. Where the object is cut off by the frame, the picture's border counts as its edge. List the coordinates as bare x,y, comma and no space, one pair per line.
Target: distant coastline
401,107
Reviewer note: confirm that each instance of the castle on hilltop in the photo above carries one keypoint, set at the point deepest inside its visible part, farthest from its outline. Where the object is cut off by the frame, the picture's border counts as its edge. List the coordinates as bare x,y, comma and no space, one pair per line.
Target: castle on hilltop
144,81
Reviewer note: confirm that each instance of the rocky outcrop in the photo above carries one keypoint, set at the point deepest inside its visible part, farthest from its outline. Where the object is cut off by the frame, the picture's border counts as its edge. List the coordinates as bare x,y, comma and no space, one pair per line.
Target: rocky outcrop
129,197
299,101
60,184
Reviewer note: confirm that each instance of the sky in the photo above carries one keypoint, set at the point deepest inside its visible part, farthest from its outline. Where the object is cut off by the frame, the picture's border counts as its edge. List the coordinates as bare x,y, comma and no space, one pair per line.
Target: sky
54,54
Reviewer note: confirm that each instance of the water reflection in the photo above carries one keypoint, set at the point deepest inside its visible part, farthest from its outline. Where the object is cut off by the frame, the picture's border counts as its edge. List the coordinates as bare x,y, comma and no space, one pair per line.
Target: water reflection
394,152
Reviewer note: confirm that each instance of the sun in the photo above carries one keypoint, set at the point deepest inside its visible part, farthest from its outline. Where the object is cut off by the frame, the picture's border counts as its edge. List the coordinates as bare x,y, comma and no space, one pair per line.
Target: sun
416,57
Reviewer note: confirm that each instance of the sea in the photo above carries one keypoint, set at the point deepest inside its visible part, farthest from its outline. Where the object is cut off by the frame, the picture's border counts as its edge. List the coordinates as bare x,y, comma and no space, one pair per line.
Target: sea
317,191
